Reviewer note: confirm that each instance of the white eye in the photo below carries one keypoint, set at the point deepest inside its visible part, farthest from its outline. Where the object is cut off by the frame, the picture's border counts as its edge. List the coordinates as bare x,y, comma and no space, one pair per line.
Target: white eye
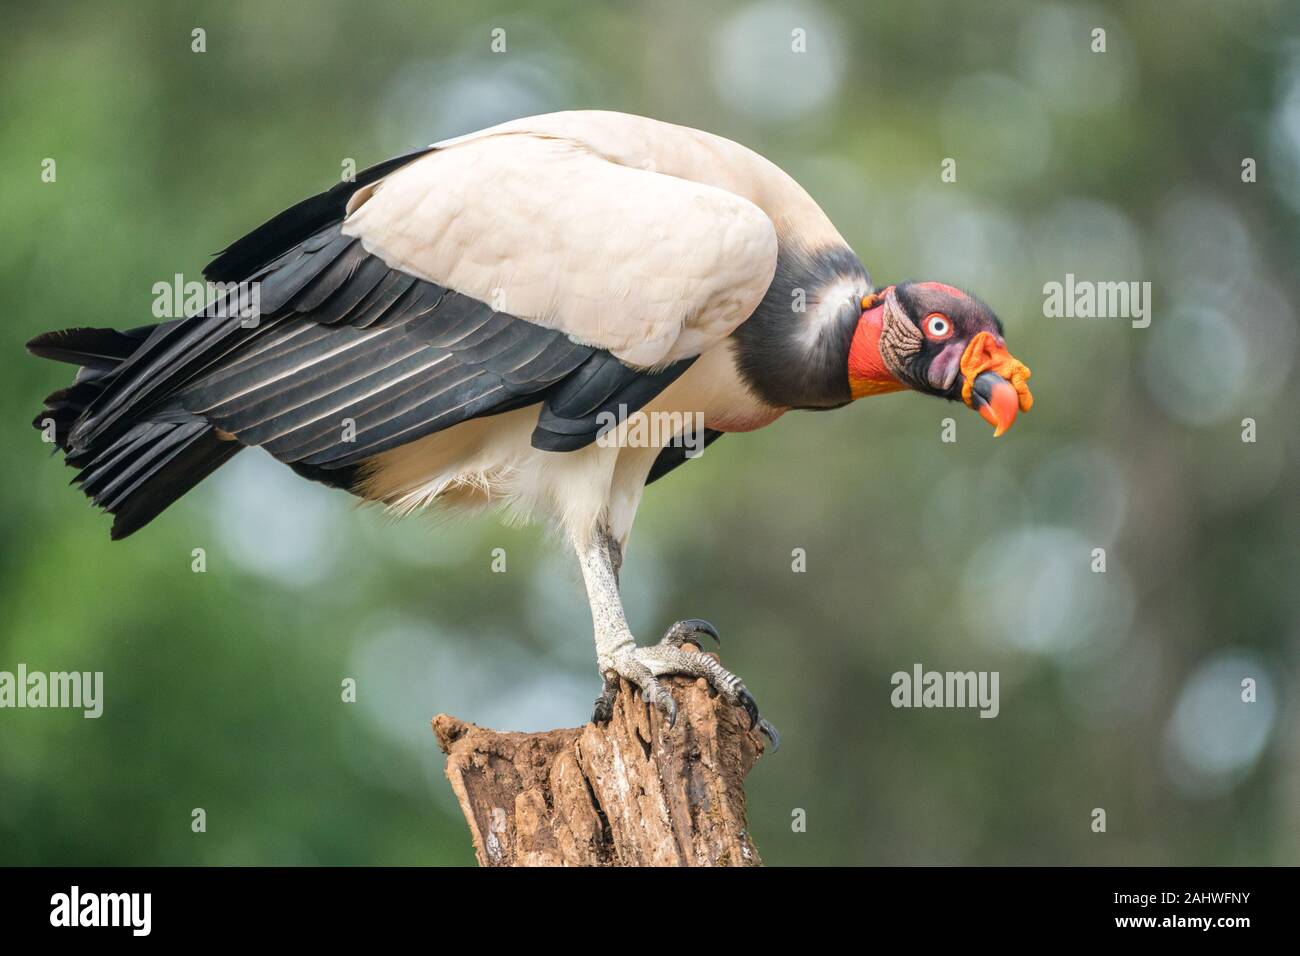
937,326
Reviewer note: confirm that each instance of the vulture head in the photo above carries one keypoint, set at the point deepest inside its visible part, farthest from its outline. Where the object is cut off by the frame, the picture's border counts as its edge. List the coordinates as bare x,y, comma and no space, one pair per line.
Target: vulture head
937,339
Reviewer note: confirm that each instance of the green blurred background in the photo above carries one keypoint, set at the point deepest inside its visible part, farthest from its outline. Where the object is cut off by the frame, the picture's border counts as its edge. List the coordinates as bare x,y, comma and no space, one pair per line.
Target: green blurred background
1118,690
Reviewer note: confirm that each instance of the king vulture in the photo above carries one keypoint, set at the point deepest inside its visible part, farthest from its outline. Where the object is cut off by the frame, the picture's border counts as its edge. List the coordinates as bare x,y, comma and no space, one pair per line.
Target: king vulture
482,322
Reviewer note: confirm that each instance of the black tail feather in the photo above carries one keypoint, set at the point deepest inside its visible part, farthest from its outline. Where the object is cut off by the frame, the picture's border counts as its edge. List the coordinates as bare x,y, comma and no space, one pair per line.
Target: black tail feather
196,453
137,474
94,348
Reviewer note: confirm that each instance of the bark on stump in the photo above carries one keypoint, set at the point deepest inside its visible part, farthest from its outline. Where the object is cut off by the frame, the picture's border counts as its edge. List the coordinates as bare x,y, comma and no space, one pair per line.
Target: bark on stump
632,793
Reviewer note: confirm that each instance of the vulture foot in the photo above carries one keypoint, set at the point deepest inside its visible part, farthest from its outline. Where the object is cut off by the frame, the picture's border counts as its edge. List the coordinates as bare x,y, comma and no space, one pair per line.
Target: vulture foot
642,665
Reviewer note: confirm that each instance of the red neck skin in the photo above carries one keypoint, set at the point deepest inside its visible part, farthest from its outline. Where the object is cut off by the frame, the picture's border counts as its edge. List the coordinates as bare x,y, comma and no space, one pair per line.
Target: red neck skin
867,372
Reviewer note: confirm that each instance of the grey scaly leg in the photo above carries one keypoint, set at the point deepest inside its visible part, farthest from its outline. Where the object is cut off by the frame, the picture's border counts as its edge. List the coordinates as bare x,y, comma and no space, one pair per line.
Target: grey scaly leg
617,654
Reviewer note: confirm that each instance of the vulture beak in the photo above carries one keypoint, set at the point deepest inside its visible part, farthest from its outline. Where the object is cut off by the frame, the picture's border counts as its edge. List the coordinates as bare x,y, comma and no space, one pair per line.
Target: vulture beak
996,400
994,382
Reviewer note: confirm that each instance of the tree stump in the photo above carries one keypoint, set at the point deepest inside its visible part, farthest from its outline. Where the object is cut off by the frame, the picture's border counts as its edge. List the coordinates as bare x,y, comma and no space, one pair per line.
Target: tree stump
632,793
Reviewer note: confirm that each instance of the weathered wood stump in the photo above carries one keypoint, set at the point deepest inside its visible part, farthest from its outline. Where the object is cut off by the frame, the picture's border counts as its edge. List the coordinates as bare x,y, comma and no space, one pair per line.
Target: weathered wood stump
632,793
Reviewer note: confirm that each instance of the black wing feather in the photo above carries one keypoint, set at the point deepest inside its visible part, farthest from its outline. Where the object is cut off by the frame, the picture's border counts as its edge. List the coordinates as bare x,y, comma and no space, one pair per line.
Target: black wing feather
674,456
573,415
424,359
93,348
342,339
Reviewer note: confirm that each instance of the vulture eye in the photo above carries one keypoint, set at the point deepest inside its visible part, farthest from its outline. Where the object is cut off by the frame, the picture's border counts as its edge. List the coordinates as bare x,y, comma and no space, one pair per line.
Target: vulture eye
937,325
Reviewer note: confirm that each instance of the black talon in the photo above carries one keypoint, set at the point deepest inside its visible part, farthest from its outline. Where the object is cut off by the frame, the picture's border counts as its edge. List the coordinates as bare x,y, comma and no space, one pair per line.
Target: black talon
604,704
704,627
684,630
669,708
764,725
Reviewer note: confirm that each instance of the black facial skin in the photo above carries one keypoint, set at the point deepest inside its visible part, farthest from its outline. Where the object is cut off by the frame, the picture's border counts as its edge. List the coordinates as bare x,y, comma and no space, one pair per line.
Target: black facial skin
968,315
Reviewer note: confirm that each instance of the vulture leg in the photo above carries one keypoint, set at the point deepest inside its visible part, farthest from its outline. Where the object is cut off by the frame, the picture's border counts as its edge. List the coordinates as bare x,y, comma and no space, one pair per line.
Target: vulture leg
617,654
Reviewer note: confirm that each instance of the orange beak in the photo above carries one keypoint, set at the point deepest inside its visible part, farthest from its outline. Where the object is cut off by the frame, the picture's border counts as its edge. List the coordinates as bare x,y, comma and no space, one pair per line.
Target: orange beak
994,383
996,400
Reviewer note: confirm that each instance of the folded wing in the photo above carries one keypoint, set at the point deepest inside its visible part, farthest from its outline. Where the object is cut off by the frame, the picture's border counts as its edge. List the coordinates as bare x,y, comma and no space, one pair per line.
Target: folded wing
451,284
